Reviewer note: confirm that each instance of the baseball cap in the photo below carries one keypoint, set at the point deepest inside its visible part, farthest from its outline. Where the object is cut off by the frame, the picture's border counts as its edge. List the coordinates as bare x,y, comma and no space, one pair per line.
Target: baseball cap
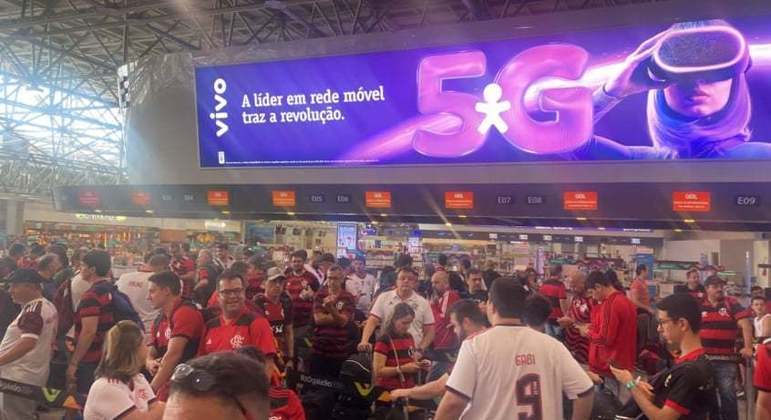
274,273
713,280
25,275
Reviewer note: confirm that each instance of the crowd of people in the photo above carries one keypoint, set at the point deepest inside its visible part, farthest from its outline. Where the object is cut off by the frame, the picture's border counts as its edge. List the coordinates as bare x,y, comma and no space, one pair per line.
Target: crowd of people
212,336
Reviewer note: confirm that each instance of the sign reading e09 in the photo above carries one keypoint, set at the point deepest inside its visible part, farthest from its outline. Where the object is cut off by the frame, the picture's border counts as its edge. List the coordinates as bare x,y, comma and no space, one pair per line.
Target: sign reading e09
747,200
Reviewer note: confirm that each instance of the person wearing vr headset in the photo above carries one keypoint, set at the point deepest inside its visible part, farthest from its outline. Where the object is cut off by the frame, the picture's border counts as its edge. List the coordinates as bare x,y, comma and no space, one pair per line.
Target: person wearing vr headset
698,104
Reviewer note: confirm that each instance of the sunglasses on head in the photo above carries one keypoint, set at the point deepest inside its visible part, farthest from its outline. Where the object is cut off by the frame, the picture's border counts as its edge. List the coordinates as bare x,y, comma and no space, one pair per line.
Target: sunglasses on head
202,381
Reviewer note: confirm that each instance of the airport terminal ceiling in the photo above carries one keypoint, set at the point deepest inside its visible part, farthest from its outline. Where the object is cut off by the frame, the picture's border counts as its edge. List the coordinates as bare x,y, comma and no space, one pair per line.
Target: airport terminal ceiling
62,64
65,68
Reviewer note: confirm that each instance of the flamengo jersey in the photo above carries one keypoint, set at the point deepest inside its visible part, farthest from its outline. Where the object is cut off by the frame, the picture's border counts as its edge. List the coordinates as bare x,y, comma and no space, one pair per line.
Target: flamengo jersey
37,320
514,372
112,399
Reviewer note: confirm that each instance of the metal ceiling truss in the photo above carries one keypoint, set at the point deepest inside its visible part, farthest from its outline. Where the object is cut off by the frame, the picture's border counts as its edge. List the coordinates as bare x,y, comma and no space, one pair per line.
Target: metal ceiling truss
68,52
33,174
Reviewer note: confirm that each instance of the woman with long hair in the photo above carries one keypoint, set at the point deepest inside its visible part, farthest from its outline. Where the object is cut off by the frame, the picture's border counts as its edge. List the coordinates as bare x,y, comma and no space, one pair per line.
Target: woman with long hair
120,390
393,363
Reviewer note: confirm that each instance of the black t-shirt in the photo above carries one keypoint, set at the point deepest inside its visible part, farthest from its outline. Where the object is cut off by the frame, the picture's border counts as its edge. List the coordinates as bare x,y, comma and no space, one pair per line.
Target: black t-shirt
478,296
688,387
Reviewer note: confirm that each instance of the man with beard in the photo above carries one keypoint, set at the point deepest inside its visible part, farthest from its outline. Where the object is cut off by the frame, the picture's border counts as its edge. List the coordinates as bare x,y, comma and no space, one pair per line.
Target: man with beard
467,320
722,317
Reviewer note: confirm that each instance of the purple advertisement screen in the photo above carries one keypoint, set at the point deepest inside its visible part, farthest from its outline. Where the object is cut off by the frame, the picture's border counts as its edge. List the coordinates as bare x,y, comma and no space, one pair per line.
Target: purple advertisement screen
695,90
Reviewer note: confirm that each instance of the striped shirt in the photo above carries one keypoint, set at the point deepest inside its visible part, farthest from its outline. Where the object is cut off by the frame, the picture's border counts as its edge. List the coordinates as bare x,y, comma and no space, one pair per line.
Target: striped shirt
398,352
303,308
719,327
332,340
581,312
96,302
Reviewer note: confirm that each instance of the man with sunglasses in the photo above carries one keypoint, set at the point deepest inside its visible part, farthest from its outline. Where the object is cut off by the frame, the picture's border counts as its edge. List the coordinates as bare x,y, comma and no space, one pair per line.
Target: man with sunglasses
687,390
213,387
236,326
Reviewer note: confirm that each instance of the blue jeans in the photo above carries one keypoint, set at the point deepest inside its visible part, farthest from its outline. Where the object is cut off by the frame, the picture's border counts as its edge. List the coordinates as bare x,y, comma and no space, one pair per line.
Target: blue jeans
725,379
553,330
85,377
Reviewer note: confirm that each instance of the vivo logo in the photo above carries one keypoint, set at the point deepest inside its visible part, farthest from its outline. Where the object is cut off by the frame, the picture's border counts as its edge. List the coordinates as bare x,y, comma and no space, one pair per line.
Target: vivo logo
218,115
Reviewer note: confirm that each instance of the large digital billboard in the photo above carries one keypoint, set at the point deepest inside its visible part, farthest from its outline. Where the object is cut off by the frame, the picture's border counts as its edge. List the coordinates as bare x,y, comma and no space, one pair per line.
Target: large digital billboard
693,90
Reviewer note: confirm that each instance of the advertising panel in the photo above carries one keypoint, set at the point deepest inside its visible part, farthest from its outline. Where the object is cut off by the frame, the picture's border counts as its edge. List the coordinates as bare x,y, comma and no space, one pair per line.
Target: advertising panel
693,90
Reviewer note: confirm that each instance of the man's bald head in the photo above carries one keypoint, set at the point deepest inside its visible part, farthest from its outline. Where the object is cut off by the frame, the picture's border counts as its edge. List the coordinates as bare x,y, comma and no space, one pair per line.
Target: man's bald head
577,282
440,281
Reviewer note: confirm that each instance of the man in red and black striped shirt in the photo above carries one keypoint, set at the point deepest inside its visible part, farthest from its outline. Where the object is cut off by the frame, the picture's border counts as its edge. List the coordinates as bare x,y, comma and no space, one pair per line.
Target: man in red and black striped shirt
301,286
722,316
554,290
93,318
580,313
277,307
334,336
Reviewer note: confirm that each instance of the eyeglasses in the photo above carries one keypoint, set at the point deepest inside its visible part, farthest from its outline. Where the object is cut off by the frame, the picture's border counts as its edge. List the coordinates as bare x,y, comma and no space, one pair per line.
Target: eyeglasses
202,381
663,321
231,292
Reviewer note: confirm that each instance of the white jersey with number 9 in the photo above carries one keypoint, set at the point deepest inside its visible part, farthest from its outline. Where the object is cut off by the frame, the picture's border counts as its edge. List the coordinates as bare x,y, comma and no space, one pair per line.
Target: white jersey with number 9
514,372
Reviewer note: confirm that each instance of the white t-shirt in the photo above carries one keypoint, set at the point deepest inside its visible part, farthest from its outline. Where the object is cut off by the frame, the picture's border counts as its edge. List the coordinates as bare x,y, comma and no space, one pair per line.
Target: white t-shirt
37,320
135,286
361,288
759,325
78,287
109,398
508,372
384,309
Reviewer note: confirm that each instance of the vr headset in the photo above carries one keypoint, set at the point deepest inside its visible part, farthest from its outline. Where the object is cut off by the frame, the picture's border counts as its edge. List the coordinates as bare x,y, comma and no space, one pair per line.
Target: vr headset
710,54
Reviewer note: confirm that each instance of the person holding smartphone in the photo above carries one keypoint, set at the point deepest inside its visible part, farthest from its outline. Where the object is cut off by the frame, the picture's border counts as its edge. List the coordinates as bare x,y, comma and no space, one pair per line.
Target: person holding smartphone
688,389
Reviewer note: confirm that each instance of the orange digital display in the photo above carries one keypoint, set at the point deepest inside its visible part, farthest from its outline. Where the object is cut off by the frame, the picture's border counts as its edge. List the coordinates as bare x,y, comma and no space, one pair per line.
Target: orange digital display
580,200
691,201
141,198
459,200
218,198
284,199
378,199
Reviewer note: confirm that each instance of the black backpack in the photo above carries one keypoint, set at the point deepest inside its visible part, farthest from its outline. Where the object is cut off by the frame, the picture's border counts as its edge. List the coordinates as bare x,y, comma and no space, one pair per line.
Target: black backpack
122,308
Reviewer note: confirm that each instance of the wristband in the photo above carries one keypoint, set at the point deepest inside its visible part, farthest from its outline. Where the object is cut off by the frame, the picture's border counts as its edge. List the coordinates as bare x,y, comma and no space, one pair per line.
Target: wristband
631,384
